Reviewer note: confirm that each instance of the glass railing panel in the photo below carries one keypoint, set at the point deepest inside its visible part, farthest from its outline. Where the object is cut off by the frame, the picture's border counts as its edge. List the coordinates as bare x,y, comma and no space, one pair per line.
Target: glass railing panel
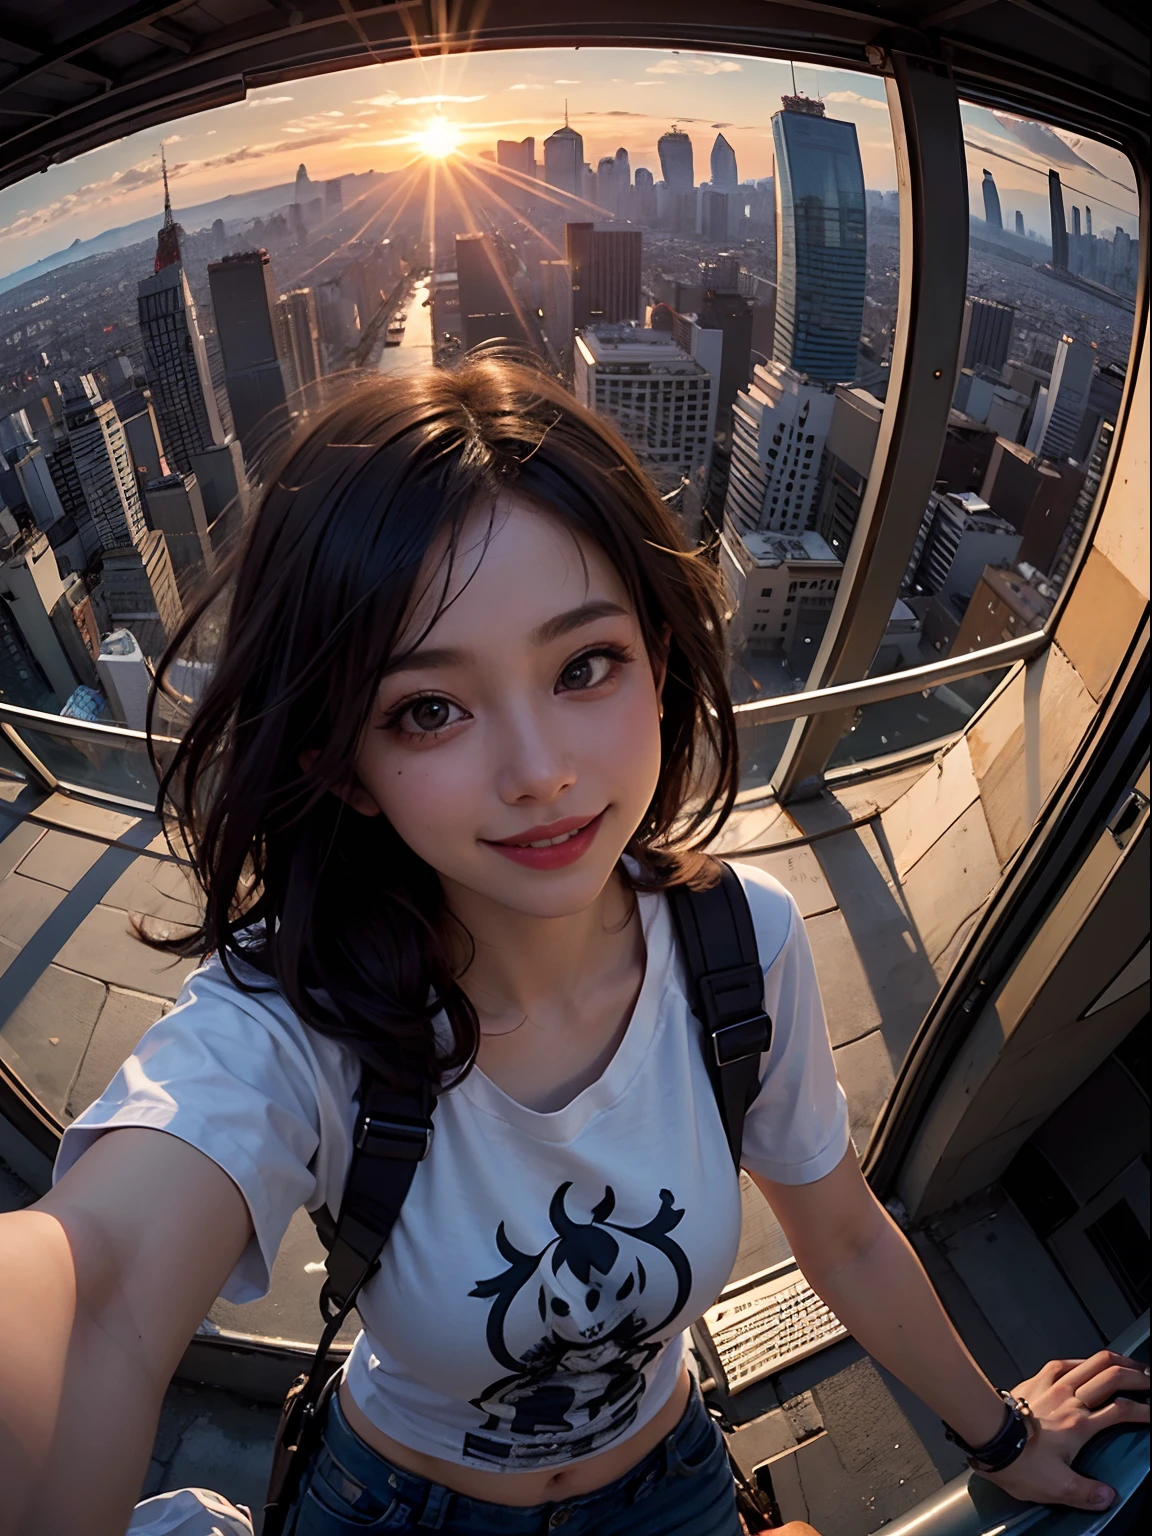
900,725
118,768
1044,351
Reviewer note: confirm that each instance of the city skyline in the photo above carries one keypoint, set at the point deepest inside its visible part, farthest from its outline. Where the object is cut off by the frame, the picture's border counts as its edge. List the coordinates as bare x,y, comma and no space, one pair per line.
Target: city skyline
372,118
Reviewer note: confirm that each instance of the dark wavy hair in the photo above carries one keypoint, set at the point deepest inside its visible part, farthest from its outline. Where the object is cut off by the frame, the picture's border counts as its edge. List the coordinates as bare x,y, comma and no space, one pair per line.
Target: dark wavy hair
347,922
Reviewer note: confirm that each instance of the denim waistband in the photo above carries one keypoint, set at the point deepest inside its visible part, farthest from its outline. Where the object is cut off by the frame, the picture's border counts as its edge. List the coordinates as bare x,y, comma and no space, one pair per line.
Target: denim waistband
432,1503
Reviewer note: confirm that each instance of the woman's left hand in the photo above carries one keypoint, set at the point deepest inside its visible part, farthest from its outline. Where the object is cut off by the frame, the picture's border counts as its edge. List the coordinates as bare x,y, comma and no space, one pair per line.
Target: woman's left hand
1072,1400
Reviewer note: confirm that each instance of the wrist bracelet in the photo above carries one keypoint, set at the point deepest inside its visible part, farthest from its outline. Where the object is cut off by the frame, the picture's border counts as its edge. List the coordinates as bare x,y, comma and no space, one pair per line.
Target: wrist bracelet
1005,1446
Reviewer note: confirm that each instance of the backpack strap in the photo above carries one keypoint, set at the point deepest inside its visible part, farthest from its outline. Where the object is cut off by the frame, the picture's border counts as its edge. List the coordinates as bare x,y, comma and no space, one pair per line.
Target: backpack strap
393,1134
726,992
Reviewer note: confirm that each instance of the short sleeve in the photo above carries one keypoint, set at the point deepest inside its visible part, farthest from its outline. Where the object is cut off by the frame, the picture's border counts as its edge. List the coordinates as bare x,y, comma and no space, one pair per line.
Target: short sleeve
239,1077
796,1129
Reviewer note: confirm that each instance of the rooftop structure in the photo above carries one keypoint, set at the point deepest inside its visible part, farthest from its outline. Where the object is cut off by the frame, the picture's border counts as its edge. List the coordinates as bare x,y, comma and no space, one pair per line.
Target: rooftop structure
780,425
659,397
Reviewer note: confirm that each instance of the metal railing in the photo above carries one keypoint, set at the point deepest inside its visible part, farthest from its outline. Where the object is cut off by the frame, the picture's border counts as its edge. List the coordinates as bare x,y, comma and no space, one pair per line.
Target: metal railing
111,762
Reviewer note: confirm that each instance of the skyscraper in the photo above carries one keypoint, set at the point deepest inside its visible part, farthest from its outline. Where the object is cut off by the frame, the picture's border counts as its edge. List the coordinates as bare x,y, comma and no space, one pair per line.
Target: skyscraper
1059,227
517,155
488,307
820,242
607,195
1075,221
104,466
564,159
724,177
244,298
1056,424
175,358
727,310
604,265
986,333
298,339
675,150
656,395
1020,230
623,180
780,425
992,213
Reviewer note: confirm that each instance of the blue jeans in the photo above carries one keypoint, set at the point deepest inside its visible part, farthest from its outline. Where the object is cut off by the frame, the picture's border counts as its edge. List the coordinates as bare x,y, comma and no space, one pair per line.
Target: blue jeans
683,1487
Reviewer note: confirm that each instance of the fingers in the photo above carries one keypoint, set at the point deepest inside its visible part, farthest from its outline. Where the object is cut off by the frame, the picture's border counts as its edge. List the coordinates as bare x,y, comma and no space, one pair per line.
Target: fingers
1122,1411
1113,1379
1051,1372
1083,1493
1085,1370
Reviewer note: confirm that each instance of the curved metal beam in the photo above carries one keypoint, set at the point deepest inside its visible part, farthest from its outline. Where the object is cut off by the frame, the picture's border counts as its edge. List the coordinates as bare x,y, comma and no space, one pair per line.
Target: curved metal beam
933,183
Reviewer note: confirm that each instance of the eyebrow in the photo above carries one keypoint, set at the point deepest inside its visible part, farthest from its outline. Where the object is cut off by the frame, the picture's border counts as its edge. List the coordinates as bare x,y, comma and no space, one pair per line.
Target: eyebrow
427,659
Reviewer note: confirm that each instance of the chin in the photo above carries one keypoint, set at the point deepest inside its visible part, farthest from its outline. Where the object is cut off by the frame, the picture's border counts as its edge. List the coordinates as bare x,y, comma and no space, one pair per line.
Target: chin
551,893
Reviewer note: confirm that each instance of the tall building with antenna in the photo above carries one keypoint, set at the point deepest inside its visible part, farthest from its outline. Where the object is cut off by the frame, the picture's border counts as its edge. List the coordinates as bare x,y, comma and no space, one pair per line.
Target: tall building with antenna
564,159
175,358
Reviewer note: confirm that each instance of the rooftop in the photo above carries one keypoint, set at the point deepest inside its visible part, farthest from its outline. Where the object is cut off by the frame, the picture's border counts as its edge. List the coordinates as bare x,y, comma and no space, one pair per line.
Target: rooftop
772,549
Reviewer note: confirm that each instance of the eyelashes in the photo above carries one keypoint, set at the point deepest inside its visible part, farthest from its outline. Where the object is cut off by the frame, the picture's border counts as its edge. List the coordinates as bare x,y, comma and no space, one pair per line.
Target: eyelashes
429,715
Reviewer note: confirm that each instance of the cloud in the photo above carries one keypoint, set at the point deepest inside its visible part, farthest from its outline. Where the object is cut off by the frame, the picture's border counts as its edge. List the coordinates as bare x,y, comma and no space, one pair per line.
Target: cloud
639,83
520,86
314,121
173,138
267,101
854,99
567,82
391,99
694,66
106,192
250,152
1043,141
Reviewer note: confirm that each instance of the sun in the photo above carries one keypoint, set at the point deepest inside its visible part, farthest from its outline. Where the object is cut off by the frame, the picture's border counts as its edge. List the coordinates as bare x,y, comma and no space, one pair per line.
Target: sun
439,139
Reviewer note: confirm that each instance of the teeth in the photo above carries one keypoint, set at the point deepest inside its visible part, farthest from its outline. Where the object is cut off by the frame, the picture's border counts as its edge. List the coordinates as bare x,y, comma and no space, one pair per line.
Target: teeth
551,842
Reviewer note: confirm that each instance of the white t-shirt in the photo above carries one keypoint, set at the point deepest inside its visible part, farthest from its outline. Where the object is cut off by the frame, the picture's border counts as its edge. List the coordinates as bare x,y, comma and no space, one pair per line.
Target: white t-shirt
531,1303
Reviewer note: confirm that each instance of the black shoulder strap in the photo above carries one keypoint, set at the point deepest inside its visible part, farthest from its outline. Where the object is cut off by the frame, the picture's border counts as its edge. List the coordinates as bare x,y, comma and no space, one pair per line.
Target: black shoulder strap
726,991
394,1130
393,1134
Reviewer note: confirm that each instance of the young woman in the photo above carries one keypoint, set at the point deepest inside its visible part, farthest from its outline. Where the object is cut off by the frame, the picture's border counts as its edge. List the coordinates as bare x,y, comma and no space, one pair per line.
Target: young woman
468,724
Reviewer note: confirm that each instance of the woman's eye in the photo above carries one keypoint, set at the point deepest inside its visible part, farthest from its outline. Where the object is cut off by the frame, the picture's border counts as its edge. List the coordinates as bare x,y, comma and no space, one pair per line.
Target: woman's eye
424,716
586,672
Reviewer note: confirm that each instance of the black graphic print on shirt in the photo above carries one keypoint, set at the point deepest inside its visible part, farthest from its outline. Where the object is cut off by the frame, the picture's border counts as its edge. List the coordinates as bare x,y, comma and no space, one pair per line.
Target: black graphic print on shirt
574,1326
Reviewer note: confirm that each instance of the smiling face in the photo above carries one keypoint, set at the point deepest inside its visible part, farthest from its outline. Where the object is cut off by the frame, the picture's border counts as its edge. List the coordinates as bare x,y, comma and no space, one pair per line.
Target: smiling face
517,747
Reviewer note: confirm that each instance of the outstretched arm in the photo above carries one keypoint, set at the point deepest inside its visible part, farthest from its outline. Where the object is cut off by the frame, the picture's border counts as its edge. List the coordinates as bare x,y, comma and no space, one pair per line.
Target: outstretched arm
859,1262
102,1284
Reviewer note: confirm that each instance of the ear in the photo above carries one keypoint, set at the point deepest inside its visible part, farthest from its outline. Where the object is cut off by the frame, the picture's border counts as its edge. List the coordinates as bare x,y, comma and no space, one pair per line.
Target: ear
353,792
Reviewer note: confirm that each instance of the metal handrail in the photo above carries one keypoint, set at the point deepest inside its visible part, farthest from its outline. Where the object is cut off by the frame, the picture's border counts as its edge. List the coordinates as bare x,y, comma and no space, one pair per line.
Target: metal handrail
98,734
894,685
792,706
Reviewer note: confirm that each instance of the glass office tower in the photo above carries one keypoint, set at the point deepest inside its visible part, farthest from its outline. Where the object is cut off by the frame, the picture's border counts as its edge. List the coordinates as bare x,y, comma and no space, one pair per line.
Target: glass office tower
821,245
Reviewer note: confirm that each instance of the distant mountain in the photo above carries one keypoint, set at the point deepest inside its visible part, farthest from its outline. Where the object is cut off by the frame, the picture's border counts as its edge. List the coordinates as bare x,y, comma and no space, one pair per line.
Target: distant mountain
239,207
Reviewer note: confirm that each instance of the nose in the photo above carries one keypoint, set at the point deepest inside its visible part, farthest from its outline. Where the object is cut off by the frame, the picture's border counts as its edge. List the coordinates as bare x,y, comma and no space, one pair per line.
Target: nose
535,764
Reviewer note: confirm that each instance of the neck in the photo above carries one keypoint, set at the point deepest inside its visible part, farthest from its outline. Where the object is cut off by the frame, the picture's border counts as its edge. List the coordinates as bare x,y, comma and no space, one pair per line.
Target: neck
521,961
